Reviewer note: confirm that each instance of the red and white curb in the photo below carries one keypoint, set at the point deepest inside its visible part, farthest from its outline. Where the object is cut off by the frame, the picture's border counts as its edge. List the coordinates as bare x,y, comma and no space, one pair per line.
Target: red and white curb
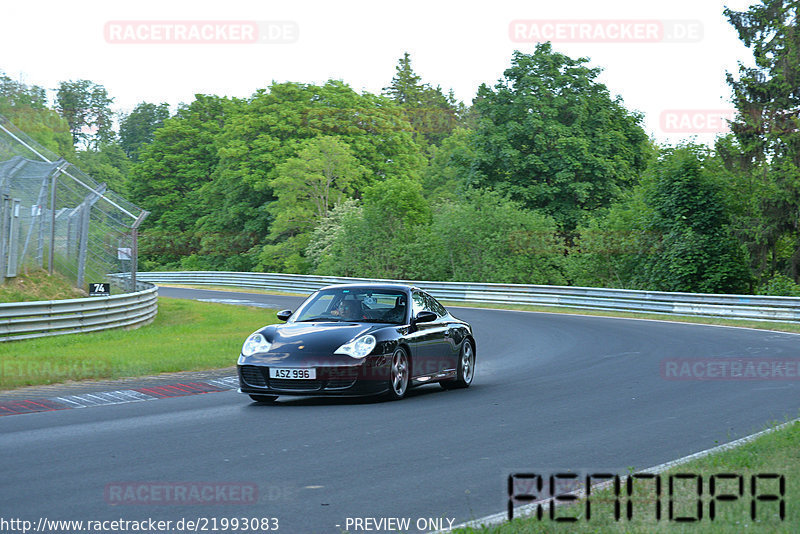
145,393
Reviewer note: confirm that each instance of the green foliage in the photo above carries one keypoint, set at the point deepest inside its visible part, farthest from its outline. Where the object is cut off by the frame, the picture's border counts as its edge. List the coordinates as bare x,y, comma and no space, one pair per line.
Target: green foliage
107,164
322,175
695,251
307,187
612,244
396,235
485,237
671,234
273,127
780,285
444,175
137,128
378,239
552,138
320,250
168,177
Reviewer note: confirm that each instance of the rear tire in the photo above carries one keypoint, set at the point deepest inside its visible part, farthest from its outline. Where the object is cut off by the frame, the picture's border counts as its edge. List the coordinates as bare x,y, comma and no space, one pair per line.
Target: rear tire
264,399
465,370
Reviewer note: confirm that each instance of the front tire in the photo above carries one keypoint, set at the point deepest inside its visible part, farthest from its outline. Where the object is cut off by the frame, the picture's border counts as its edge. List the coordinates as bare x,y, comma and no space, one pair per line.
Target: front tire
264,399
399,374
465,370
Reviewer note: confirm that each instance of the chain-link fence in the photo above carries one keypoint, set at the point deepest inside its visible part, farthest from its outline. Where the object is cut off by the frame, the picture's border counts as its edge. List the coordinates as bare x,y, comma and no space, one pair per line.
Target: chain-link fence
54,216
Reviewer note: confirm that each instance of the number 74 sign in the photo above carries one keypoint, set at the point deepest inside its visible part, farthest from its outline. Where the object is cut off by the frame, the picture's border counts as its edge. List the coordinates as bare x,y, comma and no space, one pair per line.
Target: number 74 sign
99,290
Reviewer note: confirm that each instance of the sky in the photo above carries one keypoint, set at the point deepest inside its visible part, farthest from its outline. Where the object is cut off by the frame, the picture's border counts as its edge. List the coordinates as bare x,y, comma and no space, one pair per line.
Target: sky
666,60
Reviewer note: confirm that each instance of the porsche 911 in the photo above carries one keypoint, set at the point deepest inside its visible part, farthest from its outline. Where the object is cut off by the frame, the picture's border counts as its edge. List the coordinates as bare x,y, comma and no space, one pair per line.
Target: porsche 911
358,340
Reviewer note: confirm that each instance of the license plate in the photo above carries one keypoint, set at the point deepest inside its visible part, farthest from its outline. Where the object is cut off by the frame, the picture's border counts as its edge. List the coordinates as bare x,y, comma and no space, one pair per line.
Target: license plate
293,374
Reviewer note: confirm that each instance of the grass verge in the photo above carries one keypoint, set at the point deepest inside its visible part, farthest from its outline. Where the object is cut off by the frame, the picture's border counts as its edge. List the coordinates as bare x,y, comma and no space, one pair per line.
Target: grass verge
185,336
231,289
777,453
38,285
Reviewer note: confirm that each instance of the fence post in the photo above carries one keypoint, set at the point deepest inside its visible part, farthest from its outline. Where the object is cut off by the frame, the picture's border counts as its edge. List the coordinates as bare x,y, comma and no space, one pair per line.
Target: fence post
42,212
3,235
135,247
83,243
51,255
13,246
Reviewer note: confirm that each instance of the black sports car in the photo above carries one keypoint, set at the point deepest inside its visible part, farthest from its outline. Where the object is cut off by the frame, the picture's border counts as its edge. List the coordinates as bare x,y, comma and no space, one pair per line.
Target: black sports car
358,339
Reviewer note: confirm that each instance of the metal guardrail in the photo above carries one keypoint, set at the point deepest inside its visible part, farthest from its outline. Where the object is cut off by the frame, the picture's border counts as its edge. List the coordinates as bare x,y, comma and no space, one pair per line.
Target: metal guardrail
25,320
753,307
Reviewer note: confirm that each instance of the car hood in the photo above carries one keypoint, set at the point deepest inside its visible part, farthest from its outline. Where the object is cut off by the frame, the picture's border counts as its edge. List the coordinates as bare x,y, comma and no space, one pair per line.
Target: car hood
316,337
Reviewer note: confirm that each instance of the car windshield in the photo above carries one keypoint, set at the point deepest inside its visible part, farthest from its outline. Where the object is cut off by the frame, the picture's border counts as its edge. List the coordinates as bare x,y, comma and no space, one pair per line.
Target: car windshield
363,305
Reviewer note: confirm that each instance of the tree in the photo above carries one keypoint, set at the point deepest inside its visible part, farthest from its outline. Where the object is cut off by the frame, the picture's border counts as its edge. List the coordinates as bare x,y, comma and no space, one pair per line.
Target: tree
613,245
307,187
396,234
433,114
692,248
406,86
168,177
552,138
85,106
137,128
273,126
382,238
444,175
767,128
484,237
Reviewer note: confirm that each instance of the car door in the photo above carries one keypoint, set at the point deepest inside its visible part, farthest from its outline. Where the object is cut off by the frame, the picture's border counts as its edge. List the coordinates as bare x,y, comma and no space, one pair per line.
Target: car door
428,339
446,346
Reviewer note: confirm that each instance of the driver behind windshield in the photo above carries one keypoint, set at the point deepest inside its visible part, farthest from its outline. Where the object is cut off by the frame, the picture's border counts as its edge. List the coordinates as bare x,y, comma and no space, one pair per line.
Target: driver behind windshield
349,310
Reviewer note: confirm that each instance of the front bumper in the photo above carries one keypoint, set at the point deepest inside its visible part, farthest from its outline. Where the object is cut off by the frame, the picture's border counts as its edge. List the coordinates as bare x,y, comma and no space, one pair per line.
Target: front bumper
368,377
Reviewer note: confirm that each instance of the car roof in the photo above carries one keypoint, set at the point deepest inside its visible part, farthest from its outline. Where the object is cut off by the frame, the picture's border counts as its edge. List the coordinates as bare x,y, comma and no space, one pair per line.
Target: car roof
372,285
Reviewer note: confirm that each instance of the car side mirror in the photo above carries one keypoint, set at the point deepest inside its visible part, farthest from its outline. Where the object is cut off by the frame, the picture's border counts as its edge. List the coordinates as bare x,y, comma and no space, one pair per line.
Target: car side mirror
284,315
425,317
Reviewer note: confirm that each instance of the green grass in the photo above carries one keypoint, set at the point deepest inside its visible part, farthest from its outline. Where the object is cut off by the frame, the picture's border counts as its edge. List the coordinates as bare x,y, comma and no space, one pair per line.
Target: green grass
185,336
231,289
38,285
776,452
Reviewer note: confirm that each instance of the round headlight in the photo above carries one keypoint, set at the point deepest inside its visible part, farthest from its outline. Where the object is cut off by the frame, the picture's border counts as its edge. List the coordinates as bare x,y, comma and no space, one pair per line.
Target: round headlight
358,348
255,343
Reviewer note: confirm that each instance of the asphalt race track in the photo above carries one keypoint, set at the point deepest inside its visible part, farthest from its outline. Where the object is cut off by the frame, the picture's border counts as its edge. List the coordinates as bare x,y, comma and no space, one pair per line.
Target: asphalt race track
551,391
